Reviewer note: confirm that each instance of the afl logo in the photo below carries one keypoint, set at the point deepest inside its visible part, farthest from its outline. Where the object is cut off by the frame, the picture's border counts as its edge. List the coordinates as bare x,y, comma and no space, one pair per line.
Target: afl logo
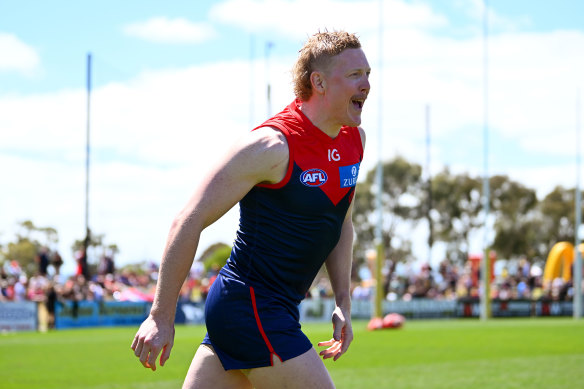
313,177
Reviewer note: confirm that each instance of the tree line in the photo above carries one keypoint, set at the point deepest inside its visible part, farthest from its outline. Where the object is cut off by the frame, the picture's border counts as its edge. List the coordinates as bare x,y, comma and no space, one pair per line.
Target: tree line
452,206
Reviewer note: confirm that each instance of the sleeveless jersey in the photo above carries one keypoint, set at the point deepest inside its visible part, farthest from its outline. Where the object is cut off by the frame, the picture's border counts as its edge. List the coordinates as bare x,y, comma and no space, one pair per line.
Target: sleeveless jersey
287,230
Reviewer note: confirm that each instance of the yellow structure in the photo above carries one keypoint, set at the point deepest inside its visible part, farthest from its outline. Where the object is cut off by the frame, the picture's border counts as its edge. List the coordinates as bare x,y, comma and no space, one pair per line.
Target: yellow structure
559,262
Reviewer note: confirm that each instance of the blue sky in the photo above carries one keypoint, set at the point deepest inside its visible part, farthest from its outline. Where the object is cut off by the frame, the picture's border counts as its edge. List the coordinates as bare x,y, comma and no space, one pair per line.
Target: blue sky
175,82
62,32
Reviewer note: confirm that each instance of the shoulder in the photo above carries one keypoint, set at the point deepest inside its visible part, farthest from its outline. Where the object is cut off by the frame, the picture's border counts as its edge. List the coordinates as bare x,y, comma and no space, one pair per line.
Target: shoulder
268,144
357,134
363,136
269,139
266,152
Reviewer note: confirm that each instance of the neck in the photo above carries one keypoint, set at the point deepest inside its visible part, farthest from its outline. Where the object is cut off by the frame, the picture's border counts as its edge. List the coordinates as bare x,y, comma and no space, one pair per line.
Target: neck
317,116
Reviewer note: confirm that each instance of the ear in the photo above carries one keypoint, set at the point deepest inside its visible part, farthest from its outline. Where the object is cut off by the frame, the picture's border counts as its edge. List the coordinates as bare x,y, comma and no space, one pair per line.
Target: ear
318,82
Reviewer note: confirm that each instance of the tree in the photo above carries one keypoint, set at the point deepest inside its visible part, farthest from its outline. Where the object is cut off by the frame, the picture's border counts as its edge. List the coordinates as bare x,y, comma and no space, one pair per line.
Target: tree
456,211
523,225
518,223
402,207
215,256
558,212
530,227
28,241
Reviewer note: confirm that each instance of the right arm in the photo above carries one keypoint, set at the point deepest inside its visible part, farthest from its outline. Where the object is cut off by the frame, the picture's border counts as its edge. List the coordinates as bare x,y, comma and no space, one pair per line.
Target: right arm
261,156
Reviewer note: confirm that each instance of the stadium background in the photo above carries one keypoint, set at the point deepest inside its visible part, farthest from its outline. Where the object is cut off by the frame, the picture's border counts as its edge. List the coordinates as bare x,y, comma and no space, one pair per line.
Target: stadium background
431,58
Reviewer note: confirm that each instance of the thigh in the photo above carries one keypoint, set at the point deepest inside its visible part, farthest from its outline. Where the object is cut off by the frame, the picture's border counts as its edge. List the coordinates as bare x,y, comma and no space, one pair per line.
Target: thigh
306,371
206,371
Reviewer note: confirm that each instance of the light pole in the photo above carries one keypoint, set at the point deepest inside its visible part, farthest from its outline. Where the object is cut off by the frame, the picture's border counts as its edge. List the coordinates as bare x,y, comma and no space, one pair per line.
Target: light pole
577,276
87,153
378,309
485,306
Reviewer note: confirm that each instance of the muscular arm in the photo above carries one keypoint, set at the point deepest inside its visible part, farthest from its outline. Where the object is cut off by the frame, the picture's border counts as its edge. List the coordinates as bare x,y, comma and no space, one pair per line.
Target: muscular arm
338,265
261,156
340,260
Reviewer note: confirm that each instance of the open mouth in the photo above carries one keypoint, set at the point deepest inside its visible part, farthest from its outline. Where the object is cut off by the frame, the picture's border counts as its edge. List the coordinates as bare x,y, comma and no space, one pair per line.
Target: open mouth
358,103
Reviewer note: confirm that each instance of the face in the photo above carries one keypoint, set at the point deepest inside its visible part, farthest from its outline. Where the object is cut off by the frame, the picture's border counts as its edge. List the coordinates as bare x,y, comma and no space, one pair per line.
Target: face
347,86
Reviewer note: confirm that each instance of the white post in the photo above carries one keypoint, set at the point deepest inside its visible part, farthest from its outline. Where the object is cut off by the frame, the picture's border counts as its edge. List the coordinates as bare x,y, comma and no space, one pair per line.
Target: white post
379,181
485,311
577,276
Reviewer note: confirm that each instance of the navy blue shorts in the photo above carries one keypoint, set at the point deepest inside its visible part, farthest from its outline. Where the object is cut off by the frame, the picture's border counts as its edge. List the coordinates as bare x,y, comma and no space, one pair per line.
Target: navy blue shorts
249,328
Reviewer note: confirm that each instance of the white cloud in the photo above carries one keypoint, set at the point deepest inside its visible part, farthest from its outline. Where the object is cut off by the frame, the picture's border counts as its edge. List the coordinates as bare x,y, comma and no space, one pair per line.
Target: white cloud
475,10
297,19
164,30
532,82
17,56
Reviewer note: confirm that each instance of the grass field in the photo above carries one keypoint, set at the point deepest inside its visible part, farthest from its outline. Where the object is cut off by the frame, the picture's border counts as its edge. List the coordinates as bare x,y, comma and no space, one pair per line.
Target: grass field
504,353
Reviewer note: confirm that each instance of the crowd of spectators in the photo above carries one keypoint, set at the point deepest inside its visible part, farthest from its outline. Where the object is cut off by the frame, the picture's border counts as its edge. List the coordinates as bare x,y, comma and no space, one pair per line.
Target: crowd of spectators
102,282
518,279
511,280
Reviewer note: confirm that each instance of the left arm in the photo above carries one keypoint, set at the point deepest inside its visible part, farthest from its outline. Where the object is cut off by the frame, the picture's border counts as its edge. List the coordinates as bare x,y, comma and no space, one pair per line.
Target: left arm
338,265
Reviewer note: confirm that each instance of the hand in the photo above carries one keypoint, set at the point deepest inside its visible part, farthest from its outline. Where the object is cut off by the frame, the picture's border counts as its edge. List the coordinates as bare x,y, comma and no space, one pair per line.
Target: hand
342,336
152,338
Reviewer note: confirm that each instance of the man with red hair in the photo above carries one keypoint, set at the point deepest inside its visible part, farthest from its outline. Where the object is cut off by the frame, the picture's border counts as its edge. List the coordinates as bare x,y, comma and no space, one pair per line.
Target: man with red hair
294,177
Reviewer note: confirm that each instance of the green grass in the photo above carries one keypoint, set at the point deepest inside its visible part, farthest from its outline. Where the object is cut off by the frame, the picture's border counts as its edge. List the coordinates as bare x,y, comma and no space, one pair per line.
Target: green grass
504,353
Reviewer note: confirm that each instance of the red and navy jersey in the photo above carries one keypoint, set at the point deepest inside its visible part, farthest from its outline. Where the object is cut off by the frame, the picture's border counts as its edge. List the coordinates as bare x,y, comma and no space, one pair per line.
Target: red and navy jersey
287,230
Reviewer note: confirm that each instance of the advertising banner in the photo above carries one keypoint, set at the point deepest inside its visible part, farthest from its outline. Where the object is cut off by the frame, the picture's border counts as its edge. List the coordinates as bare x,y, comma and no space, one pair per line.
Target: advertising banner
95,314
18,316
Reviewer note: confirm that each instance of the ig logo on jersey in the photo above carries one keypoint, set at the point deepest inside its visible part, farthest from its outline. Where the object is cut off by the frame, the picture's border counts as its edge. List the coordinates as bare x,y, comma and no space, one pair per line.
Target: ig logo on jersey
313,177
